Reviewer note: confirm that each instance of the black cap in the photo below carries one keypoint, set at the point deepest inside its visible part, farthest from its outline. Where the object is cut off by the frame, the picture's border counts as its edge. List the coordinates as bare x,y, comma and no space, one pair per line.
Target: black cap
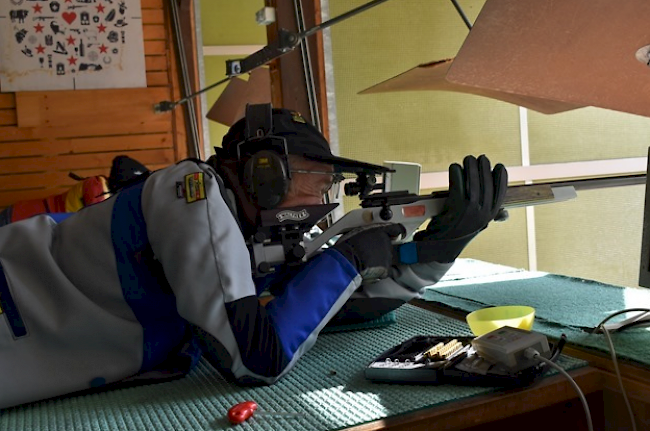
303,139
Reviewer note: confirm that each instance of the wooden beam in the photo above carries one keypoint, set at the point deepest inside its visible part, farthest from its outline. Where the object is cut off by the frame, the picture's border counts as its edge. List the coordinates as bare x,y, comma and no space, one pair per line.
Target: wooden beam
288,81
187,13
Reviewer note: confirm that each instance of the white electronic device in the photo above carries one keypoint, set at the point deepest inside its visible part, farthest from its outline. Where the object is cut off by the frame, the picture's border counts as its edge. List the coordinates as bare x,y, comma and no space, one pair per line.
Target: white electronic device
406,177
506,346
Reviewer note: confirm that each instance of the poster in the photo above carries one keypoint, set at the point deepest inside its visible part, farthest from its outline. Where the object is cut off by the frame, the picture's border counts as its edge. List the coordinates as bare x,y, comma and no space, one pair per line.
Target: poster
71,45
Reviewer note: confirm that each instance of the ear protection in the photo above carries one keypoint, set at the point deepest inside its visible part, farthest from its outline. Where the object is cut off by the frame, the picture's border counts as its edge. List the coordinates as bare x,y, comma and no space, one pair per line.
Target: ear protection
262,159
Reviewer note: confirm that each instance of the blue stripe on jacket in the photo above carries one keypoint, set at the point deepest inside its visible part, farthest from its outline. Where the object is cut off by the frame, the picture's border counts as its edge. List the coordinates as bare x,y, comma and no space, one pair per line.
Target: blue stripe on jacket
9,309
308,297
154,308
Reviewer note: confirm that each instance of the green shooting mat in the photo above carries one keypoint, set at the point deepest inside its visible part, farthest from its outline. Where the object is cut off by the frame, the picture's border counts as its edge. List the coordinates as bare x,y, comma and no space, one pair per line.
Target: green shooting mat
326,390
563,305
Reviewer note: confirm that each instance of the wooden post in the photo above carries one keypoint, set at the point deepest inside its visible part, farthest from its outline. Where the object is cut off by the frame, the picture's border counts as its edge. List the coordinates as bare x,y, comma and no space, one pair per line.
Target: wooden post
288,81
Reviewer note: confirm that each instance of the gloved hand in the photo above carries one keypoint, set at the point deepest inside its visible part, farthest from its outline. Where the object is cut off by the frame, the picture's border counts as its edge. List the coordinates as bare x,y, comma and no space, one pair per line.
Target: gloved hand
476,195
369,249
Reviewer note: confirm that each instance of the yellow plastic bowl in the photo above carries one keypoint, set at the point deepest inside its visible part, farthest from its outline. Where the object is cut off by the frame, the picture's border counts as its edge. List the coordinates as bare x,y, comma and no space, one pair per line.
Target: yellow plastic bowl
488,319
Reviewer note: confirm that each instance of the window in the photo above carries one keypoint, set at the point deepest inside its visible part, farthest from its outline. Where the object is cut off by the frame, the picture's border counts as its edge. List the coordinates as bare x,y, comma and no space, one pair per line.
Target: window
596,236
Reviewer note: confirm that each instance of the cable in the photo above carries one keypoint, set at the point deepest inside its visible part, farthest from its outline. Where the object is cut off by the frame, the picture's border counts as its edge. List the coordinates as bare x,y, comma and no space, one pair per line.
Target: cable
628,310
601,327
618,376
531,353
166,105
632,322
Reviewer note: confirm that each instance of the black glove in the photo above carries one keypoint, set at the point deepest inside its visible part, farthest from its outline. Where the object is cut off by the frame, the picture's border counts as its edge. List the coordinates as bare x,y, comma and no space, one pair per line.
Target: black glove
476,195
369,249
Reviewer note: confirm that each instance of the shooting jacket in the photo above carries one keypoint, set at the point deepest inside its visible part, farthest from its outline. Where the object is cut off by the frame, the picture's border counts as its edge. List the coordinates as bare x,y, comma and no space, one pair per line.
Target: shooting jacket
118,288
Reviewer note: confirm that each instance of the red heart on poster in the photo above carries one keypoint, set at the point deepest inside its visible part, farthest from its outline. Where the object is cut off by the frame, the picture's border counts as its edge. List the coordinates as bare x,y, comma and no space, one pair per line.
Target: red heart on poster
69,17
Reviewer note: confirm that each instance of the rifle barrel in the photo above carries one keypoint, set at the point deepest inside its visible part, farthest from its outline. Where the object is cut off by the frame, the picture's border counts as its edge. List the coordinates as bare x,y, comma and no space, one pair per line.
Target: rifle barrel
523,194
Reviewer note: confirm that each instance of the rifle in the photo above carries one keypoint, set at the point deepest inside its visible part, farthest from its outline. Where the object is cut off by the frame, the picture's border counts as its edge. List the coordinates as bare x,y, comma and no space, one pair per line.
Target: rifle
282,240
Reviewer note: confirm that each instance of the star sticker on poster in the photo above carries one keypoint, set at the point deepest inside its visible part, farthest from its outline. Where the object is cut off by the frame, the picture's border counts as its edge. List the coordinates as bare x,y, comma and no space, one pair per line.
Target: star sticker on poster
71,44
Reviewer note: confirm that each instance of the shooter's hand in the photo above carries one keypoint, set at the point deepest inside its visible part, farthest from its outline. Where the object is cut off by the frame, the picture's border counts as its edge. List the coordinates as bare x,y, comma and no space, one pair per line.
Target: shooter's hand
369,249
476,194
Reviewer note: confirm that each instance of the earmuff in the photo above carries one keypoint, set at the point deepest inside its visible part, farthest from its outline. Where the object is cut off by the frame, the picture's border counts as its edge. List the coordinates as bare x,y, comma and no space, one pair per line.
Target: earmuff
266,178
263,163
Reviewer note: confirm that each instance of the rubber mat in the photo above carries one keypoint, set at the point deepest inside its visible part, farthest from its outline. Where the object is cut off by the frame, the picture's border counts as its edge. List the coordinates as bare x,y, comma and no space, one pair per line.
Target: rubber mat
325,391
563,305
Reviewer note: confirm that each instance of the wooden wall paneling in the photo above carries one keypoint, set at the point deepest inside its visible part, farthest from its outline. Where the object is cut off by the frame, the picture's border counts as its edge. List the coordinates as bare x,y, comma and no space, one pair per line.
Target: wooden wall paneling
46,135
67,108
8,117
7,101
23,188
151,4
15,134
155,37
81,162
157,63
7,109
153,16
156,79
153,32
155,47
35,178
100,144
